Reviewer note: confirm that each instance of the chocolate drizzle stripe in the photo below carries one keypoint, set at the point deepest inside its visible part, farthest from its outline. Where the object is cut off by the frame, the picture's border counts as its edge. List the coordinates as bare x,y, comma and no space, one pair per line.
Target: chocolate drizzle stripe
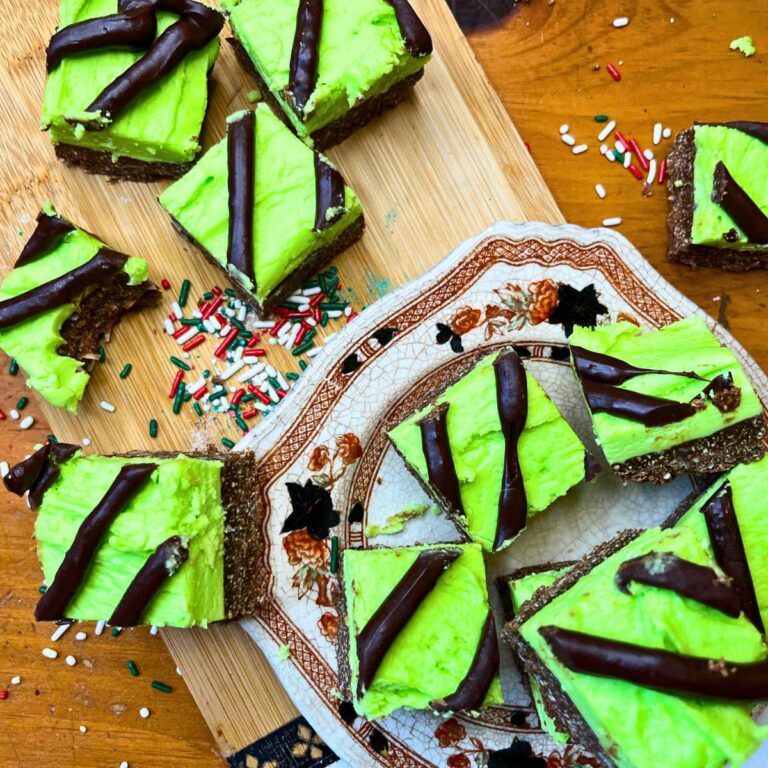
134,27
59,453
196,27
393,614
61,290
728,546
329,194
668,571
612,370
38,472
305,52
512,399
756,130
415,35
159,567
647,409
241,183
658,669
47,235
129,481
436,446
732,198
473,688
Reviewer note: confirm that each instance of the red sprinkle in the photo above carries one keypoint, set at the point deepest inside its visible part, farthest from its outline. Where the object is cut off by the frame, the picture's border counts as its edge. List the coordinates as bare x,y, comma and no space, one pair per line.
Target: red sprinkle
166,284
663,171
253,341
303,331
195,341
281,392
613,72
176,383
237,397
216,290
200,392
249,414
261,395
2,415
254,353
3,695
352,316
282,311
214,304
635,171
641,158
273,331
293,315
623,139
179,332
221,350
316,299
317,314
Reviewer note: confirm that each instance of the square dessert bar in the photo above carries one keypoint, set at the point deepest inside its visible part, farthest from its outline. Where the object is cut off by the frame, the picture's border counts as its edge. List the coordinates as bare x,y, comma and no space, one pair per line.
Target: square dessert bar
156,538
65,292
718,193
265,208
418,630
668,401
330,66
653,645
127,87
493,450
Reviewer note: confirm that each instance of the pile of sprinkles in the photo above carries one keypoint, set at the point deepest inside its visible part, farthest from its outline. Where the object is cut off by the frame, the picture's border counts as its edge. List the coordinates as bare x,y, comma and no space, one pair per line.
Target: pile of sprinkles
239,379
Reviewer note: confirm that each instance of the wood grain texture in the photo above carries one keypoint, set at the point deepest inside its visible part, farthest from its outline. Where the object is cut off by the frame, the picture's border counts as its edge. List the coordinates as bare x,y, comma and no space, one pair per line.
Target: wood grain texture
540,64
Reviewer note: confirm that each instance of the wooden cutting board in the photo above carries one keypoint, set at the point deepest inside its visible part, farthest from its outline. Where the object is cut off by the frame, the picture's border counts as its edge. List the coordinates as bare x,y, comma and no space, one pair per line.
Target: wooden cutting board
435,171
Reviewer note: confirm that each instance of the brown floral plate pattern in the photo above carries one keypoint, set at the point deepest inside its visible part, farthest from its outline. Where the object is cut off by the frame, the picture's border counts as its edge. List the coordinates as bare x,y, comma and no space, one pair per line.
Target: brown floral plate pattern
331,481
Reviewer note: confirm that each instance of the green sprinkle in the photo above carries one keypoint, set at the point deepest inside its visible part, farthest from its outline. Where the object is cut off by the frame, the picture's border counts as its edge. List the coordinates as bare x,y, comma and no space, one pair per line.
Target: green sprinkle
601,118
230,292
240,423
309,335
331,307
179,363
208,295
191,321
187,397
184,293
132,668
290,305
324,285
153,427
303,365
198,409
22,403
102,354
274,382
334,554
126,372
179,399
618,155
324,320
247,398
227,442
116,631
302,349
291,375
42,590
13,368
237,324
217,394
310,283
52,439
158,686
206,374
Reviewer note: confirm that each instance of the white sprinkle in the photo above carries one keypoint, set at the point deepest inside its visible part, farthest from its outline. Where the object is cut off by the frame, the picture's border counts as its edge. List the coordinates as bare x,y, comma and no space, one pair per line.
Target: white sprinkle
604,149
83,729
124,764
49,653
232,370
270,370
281,380
153,630
81,636
652,166
614,222
86,441
312,291
607,131
144,713
14,414
27,422
657,128
286,330
259,406
241,313
100,624
176,309
666,133
272,341
648,154
108,407
264,324
600,189
610,157
15,680
303,307
70,661
169,328
186,336
334,313
248,375
290,340
314,351
627,160
347,311
580,150
208,325
568,139
4,468
296,298
60,632
620,22
197,313
564,128
225,330
310,321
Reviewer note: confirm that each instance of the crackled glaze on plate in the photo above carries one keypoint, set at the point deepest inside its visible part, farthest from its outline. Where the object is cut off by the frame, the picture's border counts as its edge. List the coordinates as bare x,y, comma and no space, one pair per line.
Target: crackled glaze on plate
495,290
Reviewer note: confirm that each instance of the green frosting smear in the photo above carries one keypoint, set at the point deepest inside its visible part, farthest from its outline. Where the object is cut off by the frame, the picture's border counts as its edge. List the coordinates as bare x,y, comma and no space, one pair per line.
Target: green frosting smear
361,53
34,342
551,455
182,498
746,158
634,724
433,653
687,345
396,523
284,211
163,123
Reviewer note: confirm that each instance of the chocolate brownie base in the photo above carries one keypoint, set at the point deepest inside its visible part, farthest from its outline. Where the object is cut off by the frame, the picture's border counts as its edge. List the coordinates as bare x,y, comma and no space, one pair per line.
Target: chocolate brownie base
680,218
742,443
347,124
311,265
565,715
124,168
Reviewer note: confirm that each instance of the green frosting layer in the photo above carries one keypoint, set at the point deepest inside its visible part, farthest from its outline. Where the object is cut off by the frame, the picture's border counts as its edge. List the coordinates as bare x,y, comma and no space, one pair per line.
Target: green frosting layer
634,724
746,158
182,498
687,345
34,342
551,455
361,53
433,653
161,124
284,212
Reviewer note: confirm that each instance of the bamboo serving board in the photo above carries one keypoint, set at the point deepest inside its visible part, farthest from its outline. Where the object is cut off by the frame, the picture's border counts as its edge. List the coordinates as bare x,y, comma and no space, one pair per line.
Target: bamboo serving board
434,172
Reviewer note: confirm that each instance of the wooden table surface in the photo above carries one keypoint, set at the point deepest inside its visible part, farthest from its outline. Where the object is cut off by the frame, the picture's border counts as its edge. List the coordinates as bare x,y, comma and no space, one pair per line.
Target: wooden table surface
547,59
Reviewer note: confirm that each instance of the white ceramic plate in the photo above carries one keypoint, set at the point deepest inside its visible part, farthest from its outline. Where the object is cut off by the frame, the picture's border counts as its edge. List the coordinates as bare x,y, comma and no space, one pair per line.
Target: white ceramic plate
502,287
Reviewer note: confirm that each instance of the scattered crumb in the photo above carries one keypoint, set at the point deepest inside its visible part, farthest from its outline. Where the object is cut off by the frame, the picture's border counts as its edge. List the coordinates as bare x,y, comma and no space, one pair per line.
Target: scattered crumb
284,652
254,95
744,45
396,522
